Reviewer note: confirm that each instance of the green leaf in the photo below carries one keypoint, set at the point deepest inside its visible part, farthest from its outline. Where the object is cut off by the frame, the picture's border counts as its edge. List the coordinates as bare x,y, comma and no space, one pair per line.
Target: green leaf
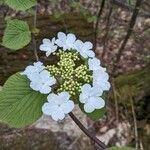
21,4
120,148
1,88
92,19
19,104
16,35
58,14
95,115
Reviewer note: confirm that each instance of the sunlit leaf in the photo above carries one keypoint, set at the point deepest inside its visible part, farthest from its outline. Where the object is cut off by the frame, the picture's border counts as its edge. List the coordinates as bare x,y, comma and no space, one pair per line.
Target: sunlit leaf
21,4
16,35
19,104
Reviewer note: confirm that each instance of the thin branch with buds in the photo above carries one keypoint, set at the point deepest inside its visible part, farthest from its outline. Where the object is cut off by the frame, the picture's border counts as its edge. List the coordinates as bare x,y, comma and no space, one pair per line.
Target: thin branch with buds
135,124
33,36
125,6
97,23
107,31
129,32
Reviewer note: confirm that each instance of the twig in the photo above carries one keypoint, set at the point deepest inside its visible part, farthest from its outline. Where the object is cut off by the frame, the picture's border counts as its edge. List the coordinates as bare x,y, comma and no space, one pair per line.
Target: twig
97,23
122,5
141,145
116,101
65,25
107,31
33,36
80,125
129,31
73,143
135,123
129,8
90,4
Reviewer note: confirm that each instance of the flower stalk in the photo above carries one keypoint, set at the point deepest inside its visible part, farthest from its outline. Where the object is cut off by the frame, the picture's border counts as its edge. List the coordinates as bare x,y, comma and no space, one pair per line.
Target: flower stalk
90,135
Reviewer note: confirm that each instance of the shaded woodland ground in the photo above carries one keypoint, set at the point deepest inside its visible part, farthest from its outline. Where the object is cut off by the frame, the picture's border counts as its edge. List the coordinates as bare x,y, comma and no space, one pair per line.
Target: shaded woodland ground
127,120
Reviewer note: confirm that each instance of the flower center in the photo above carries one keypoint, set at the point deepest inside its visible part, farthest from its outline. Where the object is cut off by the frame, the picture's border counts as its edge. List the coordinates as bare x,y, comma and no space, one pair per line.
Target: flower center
70,71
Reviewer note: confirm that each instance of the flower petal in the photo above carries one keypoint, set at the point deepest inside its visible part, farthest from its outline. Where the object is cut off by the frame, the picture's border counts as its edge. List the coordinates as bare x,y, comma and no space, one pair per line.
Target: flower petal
83,98
45,77
100,76
45,47
34,77
45,41
48,109
86,88
105,86
78,45
102,69
90,53
88,45
35,86
45,89
62,36
70,39
59,43
48,53
97,102
51,81
58,115
83,54
63,97
52,98
94,64
44,74
48,46
28,70
53,41
96,91
38,66
88,108
67,107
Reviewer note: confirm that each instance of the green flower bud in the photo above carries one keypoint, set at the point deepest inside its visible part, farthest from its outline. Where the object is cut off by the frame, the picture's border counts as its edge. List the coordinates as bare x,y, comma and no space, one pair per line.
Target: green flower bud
72,75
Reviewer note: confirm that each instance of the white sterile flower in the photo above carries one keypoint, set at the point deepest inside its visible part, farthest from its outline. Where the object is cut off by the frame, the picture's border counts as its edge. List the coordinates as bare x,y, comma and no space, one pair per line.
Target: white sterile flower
90,97
100,79
94,64
65,41
84,48
58,105
42,82
48,46
33,70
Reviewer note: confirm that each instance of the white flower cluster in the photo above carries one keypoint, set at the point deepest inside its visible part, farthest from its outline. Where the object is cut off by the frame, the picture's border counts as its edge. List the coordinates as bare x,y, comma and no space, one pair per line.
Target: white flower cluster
60,104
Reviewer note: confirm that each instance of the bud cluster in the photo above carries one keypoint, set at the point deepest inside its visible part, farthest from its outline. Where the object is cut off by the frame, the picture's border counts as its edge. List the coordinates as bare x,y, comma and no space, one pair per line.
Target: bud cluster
54,70
71,75
83,74
71,86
